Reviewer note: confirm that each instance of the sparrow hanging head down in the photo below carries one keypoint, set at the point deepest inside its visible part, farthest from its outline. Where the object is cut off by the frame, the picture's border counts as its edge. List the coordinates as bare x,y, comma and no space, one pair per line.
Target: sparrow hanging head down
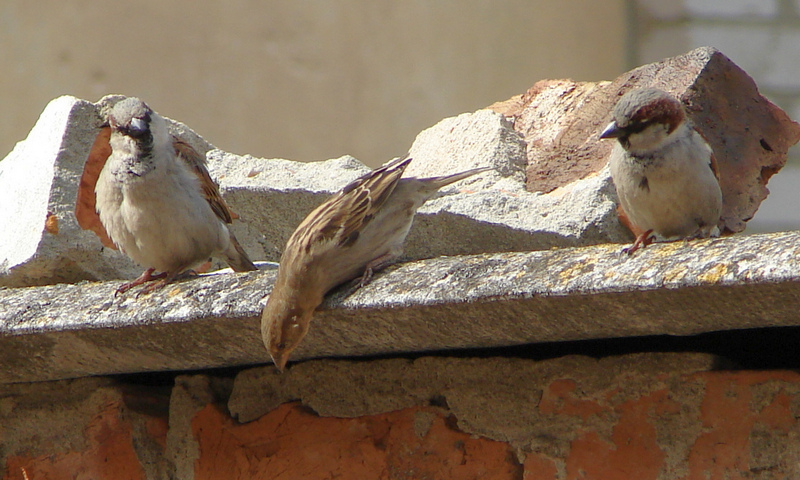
359,230
663,169
157,201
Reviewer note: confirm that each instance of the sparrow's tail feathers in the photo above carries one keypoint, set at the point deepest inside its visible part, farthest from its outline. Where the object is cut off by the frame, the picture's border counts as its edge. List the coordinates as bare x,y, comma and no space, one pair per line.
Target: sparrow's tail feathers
439,182
237,258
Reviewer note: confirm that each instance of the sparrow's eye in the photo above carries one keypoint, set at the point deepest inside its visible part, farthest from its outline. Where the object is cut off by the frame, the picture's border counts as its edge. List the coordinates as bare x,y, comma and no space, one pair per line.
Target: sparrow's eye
281,346
637,126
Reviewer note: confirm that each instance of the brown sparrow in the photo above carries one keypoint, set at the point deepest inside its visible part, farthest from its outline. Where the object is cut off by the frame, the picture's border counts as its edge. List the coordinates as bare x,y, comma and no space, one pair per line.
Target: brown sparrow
359,230
663,169
157,201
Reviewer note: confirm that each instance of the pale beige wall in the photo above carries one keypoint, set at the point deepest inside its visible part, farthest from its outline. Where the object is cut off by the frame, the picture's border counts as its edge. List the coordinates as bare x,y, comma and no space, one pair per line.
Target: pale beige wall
305,80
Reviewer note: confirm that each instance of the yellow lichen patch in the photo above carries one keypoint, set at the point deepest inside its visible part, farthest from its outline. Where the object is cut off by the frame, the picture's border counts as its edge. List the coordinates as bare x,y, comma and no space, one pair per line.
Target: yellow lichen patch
676,274
174,292
575,269
665,249
51,223
713,274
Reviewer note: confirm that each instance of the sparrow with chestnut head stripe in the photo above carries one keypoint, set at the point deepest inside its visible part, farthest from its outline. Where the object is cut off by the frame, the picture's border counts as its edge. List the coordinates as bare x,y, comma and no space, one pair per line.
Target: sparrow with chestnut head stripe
157,201
359,230
663,169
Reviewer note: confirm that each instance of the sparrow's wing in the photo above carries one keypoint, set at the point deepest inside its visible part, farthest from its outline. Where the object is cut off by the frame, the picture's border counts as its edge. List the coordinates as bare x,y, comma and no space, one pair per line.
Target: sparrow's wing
343,216
210,188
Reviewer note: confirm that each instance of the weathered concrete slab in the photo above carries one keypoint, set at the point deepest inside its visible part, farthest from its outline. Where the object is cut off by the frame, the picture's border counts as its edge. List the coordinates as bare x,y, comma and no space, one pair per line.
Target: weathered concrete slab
486,300
41,241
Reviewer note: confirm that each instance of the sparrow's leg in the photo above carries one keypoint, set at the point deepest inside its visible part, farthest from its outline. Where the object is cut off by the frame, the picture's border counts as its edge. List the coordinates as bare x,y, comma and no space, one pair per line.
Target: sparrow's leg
643,240
145,277
167,279
377,264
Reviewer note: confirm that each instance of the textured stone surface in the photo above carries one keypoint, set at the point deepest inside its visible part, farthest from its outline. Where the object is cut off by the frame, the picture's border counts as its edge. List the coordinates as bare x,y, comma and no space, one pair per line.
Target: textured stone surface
583,213
649,416
560,122
40,179
86,428
490,213
190,395
443,303
644,416
554,126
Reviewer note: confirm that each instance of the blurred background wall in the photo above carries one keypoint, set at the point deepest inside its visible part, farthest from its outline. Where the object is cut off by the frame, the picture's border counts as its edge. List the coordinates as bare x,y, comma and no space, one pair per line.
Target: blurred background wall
310,80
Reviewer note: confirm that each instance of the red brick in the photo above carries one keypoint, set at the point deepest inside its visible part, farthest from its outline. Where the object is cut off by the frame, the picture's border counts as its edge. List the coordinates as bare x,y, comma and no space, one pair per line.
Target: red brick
109,454
632,451
291,442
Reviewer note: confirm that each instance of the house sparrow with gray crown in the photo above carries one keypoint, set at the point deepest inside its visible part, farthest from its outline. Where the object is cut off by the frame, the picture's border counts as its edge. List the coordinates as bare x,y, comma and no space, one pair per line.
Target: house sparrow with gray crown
157,201
358,231
663,169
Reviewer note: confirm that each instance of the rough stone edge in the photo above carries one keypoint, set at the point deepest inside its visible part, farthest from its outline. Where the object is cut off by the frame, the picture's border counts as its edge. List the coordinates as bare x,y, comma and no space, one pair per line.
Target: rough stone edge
480,301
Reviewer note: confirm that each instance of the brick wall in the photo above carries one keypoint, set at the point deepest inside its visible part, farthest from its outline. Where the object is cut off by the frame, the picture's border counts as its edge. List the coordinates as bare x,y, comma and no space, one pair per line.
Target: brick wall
762,37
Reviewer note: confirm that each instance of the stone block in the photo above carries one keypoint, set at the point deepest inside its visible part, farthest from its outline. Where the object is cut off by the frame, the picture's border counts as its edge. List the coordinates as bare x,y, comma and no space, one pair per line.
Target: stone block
643,416
560,121
458,302
271,196
85,428
39,182
565,198
491,212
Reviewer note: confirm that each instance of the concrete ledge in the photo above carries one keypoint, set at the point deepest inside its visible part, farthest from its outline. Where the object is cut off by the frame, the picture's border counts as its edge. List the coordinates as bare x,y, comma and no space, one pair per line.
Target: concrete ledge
491,300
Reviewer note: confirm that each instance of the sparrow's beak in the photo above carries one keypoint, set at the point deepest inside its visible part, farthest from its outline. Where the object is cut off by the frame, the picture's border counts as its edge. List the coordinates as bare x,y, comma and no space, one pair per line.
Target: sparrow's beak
279,361
612,131
137,127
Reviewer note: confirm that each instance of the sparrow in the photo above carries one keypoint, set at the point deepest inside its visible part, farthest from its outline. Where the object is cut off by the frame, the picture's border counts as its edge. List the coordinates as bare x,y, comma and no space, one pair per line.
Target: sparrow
663,169
356,232
158,203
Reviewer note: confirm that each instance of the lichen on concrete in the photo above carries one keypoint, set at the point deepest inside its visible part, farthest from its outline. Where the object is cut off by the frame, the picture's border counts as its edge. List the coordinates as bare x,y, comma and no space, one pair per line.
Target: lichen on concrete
487,300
